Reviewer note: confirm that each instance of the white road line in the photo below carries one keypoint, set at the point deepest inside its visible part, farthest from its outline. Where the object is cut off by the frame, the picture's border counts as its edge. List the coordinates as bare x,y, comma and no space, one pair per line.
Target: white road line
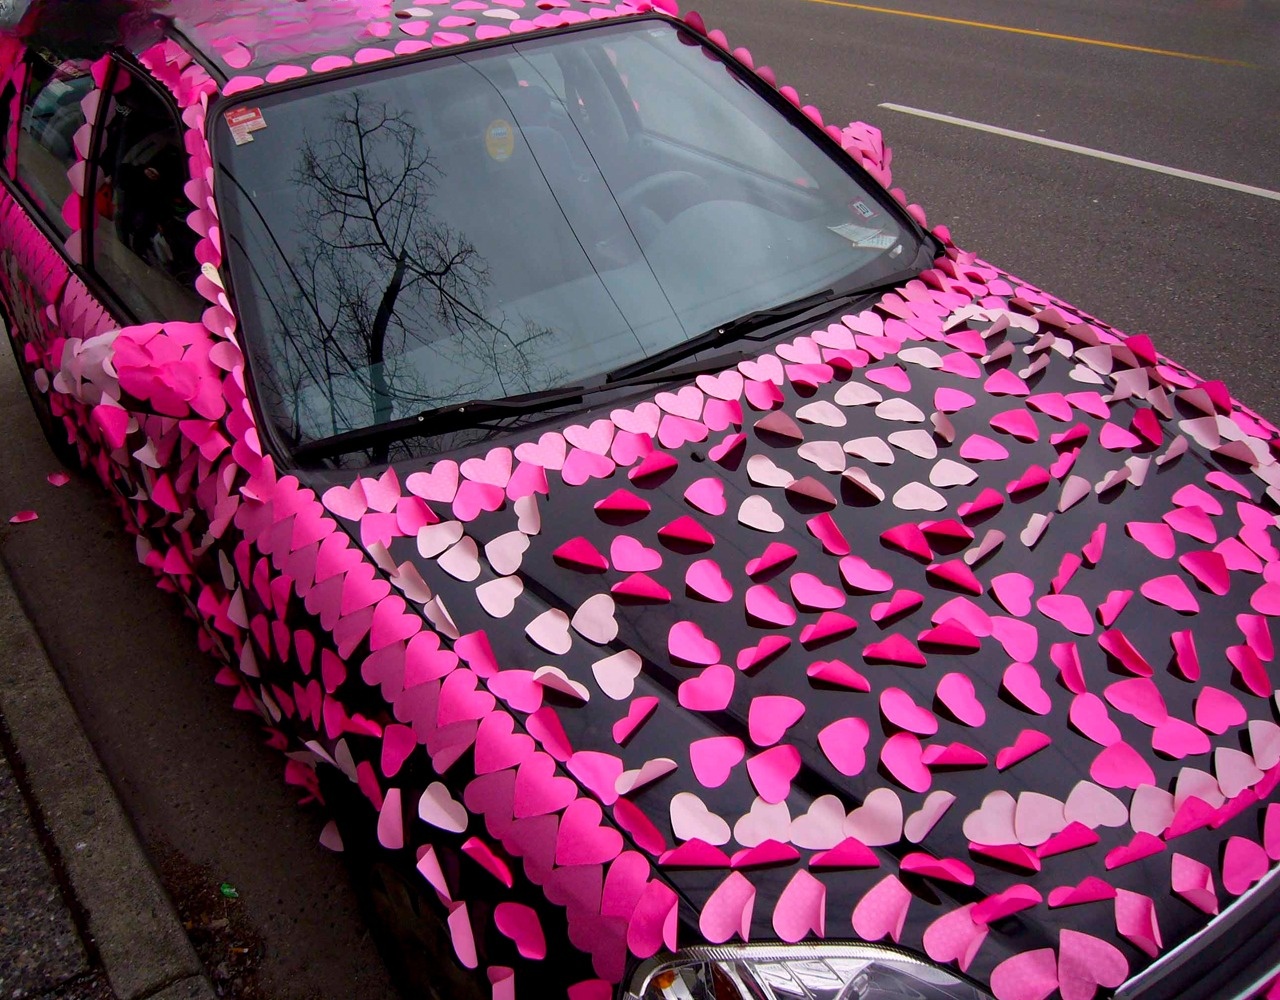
1097,154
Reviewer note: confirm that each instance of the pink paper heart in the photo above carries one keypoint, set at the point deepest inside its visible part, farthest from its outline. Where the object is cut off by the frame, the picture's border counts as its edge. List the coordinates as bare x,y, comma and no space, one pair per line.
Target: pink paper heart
955,937
1085,963
902,711
728,910
630,556
801,908
882,911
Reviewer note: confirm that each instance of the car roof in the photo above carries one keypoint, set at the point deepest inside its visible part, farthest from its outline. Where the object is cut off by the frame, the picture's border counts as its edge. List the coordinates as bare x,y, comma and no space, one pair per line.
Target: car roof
246,40
250,38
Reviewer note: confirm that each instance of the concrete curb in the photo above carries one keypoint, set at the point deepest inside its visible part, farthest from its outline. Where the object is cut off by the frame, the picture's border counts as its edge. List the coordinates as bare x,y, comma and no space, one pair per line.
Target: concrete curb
131,922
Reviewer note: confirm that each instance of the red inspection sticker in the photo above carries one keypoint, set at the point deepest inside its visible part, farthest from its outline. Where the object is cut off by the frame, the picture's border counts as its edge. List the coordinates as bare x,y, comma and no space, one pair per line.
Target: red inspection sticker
243,122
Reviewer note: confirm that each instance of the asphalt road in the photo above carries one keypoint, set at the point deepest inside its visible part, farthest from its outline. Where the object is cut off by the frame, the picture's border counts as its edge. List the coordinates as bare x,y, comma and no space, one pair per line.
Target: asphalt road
1194,265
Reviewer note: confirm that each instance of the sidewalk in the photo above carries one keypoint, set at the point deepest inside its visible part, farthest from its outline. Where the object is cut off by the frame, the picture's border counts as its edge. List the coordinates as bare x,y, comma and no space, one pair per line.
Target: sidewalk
82,914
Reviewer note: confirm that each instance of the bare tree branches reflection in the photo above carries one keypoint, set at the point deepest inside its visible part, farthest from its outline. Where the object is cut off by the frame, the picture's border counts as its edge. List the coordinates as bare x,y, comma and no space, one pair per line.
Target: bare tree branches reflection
386,309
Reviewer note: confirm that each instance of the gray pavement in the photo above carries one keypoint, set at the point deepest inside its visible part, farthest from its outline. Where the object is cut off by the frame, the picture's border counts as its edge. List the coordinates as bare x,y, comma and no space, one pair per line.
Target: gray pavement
82,912
205,795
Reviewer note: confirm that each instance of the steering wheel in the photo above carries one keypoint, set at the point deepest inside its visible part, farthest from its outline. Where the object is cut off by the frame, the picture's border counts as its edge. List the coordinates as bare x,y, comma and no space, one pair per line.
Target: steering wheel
682,188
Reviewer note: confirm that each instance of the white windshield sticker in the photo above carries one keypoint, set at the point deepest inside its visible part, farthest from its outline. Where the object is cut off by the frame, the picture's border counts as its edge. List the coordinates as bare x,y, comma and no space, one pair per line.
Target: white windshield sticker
864,236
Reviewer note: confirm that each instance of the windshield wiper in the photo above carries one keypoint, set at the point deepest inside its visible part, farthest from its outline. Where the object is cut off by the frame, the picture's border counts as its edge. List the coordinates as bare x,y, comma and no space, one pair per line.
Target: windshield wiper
772,322
442,419
736,329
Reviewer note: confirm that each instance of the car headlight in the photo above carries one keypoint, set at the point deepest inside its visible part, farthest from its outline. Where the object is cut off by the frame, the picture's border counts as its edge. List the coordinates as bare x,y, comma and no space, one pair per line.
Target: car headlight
803,972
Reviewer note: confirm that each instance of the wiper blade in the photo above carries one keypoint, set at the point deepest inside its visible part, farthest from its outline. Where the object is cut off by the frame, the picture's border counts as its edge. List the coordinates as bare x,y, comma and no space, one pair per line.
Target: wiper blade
725,333
455,416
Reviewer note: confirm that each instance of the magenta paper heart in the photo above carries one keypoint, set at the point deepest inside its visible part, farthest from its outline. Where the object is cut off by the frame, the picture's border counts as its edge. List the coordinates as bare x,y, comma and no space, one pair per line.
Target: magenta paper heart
1089,715
710,691
520,923
1244,863
902,711
860,576
770,716
653,923
844,743
812,594
497,744
771,771
956,693
581,839
764,604
714,758
706,580
1121,766
942,869
539,790
1069,611
902,757
686,642
1022,681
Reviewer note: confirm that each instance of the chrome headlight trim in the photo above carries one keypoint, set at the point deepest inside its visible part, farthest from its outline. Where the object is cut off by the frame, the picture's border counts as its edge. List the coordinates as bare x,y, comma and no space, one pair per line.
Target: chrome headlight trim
644,973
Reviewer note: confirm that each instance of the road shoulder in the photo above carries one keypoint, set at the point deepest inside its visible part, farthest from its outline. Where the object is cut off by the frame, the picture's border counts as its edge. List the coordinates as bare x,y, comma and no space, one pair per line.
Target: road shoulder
128,922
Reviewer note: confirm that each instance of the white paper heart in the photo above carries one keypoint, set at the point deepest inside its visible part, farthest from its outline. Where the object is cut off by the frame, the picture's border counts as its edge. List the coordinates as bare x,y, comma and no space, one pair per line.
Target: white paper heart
461,561
946,473
918,496
762,472
873,449
435,538
756,512
919,443
826,455
594,620
506,552
498,597
550,630
440,809
555,679
617,674
692,820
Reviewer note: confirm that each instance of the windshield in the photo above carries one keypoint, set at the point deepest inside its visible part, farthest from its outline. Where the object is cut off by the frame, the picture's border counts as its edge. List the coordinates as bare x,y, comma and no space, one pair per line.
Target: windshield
519,218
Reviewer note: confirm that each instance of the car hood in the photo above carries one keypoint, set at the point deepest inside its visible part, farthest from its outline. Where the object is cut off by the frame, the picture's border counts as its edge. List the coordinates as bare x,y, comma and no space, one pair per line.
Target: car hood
945,625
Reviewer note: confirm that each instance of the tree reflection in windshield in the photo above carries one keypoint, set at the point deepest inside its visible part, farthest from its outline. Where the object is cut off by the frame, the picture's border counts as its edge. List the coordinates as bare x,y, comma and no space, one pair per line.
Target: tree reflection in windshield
377,276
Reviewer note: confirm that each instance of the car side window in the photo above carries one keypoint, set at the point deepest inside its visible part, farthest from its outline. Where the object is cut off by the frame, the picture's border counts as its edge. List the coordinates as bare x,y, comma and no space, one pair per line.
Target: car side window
51,117
143,248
